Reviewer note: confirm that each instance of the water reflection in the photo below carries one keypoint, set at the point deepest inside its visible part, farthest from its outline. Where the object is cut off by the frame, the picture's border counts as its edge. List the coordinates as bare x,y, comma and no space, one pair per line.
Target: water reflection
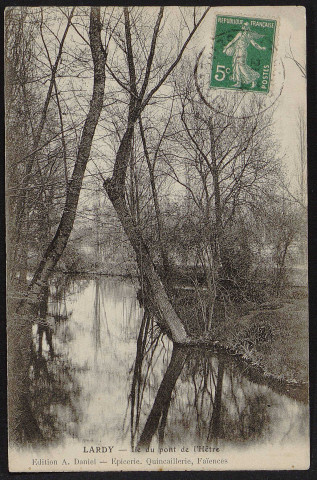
53,389
202,399
102,370
158,416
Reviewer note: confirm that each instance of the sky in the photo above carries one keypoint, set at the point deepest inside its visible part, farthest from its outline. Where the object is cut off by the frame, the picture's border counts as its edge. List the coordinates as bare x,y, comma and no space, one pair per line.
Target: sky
291,30
291,25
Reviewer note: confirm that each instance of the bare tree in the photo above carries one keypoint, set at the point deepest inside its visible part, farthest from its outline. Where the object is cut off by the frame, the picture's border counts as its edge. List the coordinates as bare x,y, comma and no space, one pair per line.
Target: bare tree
36,132
139,96
20,325
228,155
59,242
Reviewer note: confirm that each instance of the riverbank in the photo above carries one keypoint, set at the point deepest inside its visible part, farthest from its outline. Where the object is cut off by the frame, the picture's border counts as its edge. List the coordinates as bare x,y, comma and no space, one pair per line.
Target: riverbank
272,337
276,339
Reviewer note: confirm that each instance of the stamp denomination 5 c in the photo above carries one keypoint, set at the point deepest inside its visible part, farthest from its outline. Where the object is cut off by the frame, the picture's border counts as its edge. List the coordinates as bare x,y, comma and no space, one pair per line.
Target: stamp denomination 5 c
242,53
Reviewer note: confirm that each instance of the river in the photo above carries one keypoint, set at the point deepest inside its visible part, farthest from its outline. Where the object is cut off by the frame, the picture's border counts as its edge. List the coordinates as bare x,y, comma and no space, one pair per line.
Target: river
104,374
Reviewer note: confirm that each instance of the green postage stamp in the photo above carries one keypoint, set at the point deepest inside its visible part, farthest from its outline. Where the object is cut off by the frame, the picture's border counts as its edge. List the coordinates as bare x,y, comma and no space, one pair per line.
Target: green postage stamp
243,53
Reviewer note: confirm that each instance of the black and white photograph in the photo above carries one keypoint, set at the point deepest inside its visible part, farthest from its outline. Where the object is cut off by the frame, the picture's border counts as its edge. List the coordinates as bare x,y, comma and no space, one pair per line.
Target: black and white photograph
156,238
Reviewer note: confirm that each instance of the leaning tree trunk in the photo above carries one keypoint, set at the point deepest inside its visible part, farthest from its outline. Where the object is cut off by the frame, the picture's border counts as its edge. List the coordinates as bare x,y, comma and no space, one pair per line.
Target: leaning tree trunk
59,242
145,263
115,188
19,332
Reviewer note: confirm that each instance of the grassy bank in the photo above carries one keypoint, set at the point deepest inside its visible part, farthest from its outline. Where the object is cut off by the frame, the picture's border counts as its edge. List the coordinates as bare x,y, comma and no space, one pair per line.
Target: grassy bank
276,340
272,336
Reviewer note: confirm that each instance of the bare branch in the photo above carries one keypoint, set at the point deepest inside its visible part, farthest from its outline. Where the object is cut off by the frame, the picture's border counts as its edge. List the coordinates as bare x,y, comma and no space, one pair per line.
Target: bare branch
130,57
152,51
291,56
176,61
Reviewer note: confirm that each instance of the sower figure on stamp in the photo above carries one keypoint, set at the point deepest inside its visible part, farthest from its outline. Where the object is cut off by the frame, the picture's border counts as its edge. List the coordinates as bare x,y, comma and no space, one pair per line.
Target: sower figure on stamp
237,48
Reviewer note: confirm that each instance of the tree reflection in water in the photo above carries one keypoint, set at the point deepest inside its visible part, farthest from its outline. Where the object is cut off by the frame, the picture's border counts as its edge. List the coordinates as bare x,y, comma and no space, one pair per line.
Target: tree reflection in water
202,397
158,415
147,342
48,401
175,395
53,395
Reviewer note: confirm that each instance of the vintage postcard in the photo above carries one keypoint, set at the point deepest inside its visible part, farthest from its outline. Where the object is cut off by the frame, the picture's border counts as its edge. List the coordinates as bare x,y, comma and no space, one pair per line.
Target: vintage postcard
157,294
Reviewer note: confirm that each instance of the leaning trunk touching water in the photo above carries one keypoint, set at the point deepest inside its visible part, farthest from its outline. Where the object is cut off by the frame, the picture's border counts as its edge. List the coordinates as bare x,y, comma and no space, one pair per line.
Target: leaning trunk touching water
115,186
145,262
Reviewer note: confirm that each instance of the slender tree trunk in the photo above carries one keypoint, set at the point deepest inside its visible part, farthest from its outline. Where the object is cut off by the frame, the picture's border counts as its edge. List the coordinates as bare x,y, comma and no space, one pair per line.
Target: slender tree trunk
20,323
59,242
217,199
158,214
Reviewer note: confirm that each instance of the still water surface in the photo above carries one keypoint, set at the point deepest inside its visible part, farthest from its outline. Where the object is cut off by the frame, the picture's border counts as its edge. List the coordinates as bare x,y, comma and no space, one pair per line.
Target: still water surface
122,383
